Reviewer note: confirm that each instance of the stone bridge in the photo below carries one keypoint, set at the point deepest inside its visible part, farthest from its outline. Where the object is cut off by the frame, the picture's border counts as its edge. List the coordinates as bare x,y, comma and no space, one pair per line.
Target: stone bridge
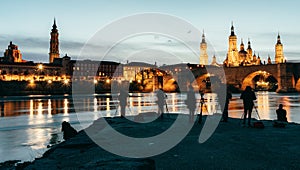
286,75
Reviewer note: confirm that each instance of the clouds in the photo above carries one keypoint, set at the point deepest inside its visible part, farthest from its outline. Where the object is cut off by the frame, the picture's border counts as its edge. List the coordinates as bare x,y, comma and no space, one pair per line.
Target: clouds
164,50
37,48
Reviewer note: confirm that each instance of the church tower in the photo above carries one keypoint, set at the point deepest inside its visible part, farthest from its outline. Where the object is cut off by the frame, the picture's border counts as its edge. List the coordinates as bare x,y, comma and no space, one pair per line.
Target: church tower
203,51
249,52
214,61
243,54
279,57
54,44
233,58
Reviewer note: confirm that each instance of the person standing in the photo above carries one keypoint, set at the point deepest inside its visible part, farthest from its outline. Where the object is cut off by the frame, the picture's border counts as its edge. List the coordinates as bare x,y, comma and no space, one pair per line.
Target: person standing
224,98
248,97
123,101
160,101
191,103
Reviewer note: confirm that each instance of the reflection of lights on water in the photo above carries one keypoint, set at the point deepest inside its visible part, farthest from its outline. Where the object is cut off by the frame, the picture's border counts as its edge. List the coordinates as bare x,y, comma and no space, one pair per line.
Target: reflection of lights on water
31,108
49,108
95,105
108,104
66,106
40,109
173,102
139,105
263,105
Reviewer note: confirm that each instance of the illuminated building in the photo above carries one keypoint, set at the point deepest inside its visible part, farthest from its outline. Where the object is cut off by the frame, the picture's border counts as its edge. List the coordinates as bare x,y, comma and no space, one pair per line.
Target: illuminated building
131,70
12,54
96,70
203,51
279,56
54,44
244,57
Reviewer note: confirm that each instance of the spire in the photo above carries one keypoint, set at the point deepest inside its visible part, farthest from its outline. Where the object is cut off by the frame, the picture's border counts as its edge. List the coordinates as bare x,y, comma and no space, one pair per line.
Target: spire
242,47
232,29
54,27
278,39
203,37
269,59
249,43
214,61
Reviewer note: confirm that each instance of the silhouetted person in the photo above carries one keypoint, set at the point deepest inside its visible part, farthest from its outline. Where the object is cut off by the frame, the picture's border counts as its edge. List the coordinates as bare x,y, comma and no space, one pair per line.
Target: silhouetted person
224,96
68,130
123,101
281,114
191,103
202,102
248,96
160,101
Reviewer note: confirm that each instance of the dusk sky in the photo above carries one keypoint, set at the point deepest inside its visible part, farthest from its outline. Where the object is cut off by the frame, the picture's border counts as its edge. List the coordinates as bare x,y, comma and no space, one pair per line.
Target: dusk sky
28,23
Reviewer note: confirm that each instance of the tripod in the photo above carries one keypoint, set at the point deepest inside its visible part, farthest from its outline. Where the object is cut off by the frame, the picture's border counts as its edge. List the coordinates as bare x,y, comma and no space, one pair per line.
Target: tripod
117,109
166,103
242,117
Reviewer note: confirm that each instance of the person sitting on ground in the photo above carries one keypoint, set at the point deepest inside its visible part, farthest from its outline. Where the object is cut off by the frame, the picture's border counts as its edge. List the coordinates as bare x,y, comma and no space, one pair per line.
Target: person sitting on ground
281,114
68,130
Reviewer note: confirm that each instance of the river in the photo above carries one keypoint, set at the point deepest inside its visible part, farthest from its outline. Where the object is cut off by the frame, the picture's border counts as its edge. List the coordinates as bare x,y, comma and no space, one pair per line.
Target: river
28,124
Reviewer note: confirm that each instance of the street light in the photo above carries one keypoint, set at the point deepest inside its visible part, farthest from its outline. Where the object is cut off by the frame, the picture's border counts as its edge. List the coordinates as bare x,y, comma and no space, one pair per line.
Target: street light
40,66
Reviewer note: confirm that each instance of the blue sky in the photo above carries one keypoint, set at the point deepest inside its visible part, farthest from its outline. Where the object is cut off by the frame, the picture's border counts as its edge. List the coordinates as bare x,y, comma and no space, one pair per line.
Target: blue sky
28,23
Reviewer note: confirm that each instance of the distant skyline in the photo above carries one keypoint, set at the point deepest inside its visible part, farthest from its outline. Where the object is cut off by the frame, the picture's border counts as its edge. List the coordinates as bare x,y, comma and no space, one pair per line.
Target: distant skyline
28,23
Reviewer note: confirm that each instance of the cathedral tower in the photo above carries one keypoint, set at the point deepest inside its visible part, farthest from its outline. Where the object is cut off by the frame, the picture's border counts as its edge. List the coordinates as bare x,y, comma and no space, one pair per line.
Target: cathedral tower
54,44
249,51
203,51
243,54
279,57
233,58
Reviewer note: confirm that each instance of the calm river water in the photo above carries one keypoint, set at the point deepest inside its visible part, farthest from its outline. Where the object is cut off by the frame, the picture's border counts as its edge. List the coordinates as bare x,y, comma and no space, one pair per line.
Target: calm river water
28,124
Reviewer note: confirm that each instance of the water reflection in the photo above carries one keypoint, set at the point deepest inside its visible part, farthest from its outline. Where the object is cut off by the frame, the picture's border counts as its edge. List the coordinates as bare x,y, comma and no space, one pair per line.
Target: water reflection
28,124
263,105
266,104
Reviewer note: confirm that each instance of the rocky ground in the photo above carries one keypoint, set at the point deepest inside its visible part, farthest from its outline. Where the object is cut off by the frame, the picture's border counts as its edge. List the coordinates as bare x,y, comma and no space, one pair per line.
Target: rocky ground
231,146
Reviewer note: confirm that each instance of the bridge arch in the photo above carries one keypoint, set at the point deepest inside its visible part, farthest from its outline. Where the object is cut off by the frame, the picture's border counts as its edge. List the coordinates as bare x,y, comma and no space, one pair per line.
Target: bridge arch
206,80
260,80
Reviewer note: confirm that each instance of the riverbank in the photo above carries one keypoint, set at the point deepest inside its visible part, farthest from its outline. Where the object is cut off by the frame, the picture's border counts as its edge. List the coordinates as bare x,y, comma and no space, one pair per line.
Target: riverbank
230,147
